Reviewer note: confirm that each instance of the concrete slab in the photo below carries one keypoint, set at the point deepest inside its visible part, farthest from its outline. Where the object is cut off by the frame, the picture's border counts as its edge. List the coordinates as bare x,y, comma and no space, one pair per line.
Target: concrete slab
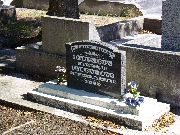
61,96
144,40
12,92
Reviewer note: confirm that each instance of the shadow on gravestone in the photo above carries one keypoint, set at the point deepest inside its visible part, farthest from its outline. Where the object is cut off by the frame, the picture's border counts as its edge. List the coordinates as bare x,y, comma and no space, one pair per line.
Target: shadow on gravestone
64,8
96,67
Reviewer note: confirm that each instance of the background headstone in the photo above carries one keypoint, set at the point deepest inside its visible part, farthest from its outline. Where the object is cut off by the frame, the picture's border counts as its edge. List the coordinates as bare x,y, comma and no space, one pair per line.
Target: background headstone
64,8
171,25
57,31
96,67
1,3
8,14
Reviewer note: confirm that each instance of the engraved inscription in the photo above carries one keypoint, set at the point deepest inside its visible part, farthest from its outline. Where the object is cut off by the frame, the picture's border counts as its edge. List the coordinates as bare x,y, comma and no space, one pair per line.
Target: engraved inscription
96,67
91,66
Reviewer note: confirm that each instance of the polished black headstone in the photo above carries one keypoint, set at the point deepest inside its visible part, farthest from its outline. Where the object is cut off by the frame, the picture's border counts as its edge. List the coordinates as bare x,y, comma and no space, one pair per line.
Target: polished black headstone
96,67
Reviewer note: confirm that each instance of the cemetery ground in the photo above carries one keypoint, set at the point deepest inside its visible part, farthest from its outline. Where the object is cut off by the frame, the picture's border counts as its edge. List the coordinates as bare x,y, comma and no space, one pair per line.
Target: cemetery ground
19,116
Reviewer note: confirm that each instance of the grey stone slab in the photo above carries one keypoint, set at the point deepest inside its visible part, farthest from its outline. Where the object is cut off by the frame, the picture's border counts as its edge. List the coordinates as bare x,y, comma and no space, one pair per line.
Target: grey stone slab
79,102
57,31
170,25
96,99
146,40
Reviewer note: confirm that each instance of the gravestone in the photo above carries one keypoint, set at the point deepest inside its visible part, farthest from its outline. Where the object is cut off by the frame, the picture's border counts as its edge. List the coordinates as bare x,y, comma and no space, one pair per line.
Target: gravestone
171,25
8,14
1,3
64,8
96,67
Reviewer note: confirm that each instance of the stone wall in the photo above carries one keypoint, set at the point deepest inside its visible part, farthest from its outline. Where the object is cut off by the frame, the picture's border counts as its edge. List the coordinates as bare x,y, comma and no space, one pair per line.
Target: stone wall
89,6
155,71
121,29
37,62
108,8
33,4
171,25
57,31
66,30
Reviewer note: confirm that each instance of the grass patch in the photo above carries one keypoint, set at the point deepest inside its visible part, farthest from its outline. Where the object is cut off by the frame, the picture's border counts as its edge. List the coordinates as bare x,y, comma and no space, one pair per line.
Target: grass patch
19,27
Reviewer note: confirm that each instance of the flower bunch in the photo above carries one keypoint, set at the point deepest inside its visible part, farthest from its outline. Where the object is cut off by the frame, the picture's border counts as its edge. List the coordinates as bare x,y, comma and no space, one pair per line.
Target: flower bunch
131,95
61,74
131,101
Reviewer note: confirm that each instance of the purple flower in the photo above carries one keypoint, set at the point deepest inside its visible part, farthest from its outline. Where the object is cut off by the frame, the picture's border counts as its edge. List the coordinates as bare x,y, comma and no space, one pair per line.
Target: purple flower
128,101
133,84
134,101
139,100
125,91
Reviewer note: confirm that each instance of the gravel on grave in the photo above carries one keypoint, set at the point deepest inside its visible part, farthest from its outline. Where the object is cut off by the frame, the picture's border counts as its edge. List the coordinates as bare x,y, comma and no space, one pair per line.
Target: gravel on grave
19,120
15,121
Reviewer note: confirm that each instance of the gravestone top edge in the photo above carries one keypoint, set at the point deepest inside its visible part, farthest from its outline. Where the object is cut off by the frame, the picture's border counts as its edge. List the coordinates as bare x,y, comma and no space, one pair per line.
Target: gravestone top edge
65,18
114,48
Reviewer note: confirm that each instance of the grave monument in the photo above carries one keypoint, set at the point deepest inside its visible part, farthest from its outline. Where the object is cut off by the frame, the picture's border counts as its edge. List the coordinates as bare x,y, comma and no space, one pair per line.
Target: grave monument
63,16
171,25
96,78
1,3
7,13
96,67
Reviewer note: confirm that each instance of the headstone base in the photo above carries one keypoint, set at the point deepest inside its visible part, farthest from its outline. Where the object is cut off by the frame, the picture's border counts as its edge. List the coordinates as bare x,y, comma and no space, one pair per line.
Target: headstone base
86,103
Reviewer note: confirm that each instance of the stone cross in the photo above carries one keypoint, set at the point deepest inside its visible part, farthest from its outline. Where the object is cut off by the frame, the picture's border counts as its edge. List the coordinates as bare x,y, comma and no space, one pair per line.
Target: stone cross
64,8
171,25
